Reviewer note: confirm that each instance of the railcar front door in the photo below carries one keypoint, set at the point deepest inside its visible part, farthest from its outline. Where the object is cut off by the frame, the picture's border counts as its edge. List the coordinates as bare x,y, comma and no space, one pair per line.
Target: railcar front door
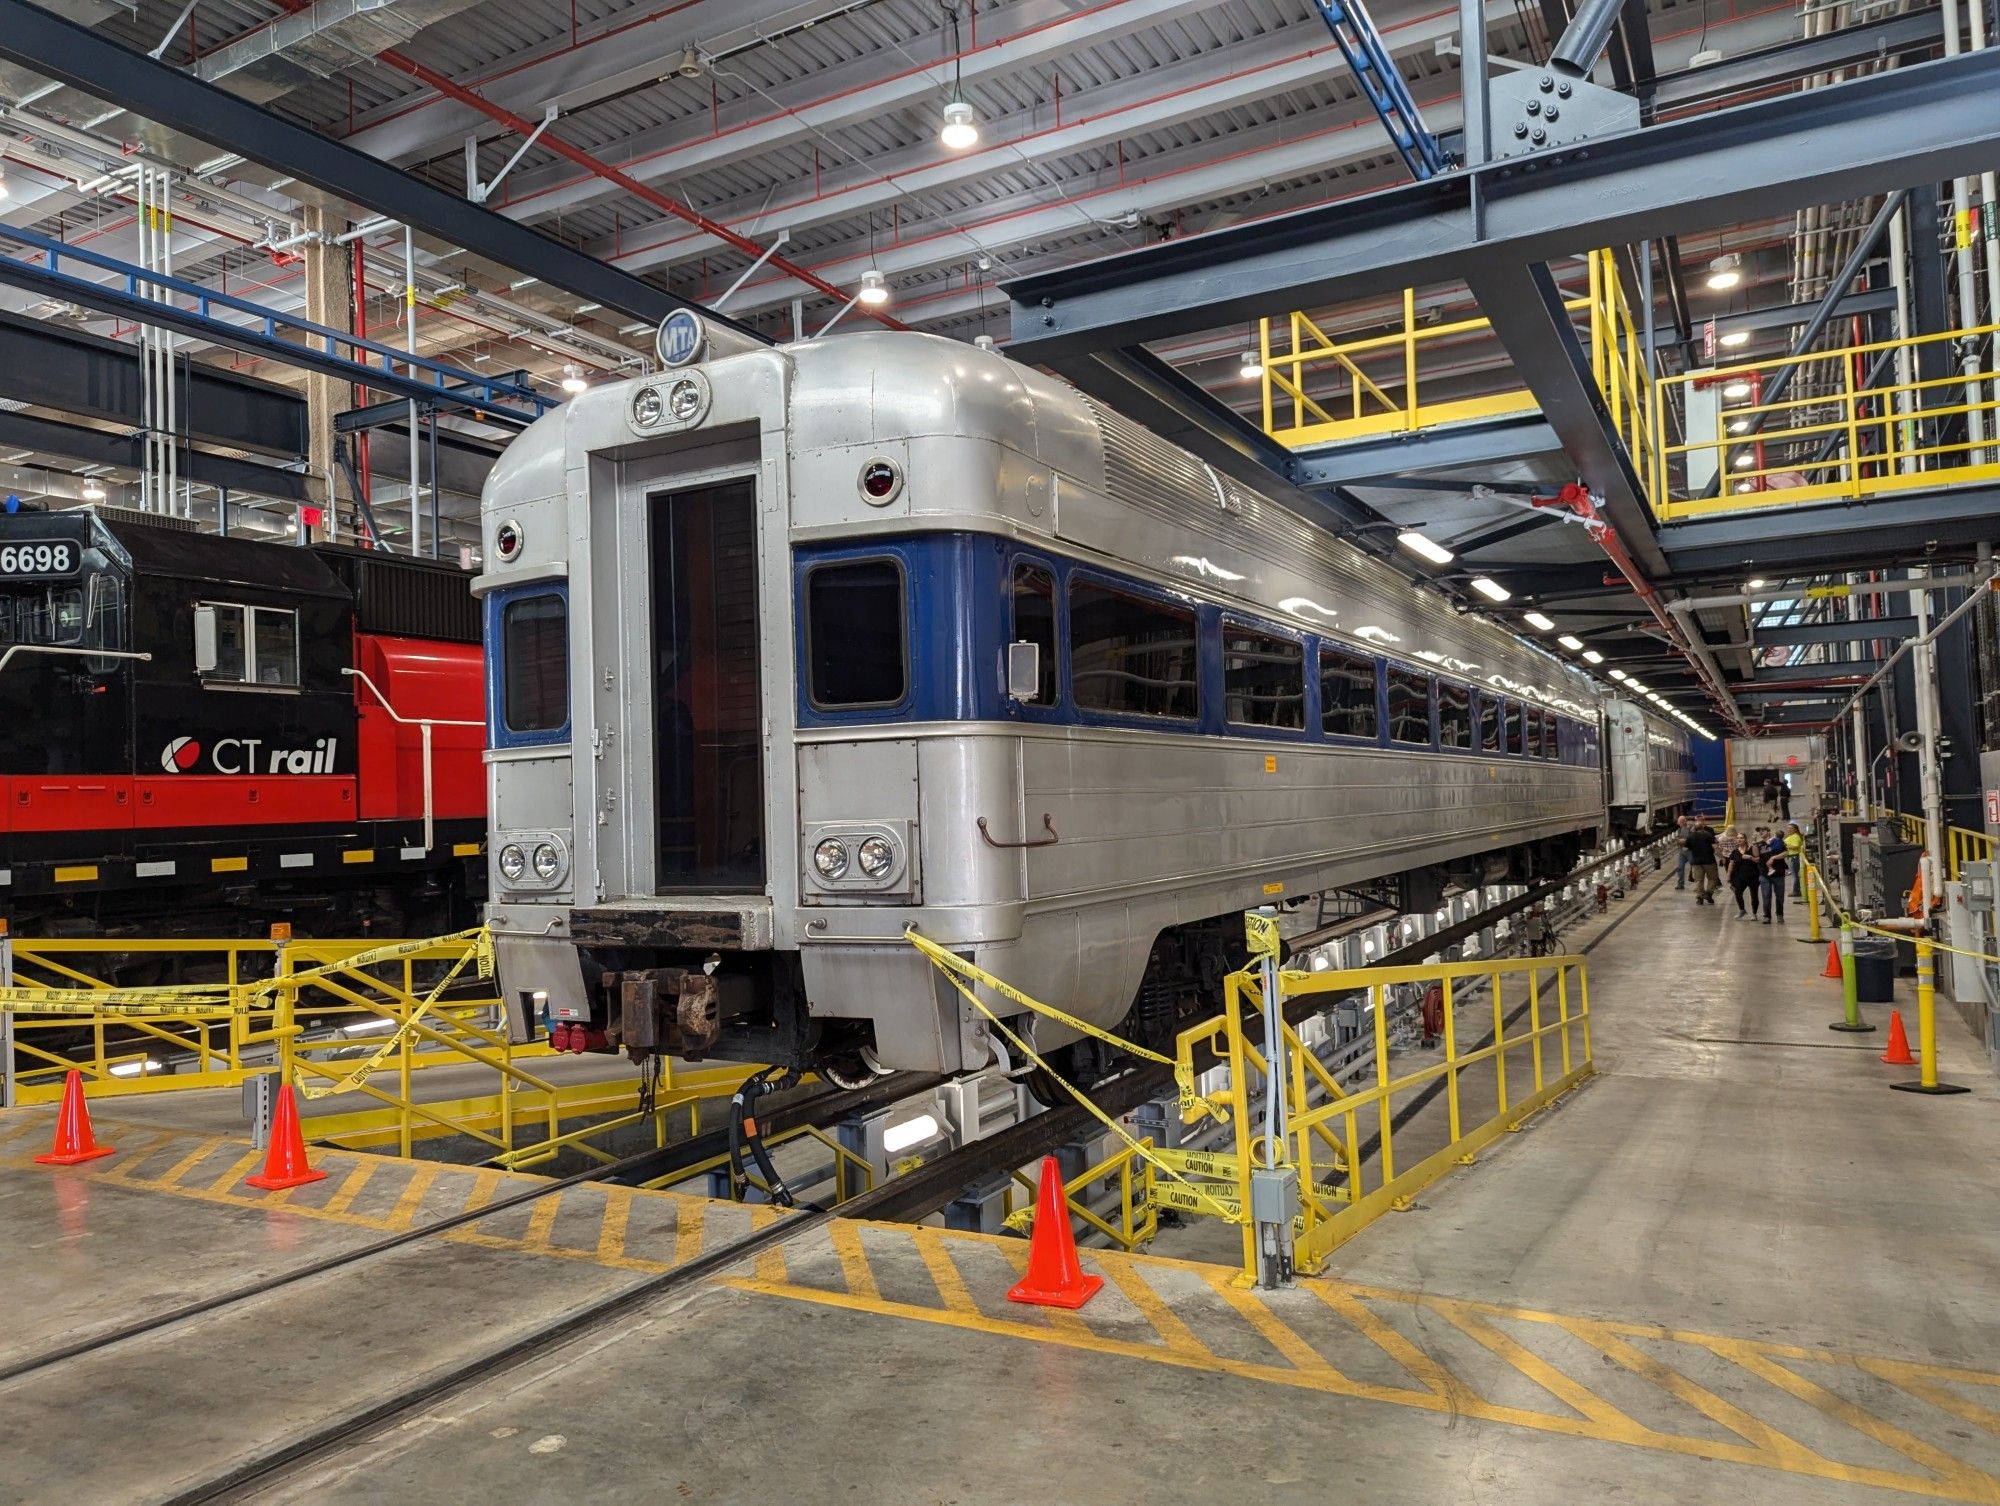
707,693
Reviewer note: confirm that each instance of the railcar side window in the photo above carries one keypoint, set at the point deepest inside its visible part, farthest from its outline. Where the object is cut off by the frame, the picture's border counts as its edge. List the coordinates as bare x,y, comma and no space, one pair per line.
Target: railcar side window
1517,727
1490,710
1533,747
1454,714
1346,694
1551,735
1263,678
534,650
1409,707
1131,654
855,636
1035,622
253,646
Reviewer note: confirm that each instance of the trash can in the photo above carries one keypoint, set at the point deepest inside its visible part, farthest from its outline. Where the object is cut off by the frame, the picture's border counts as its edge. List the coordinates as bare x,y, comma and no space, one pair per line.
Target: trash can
1874,969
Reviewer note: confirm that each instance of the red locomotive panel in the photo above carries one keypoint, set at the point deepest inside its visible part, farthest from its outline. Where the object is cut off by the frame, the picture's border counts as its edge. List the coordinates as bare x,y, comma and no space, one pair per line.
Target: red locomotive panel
420,679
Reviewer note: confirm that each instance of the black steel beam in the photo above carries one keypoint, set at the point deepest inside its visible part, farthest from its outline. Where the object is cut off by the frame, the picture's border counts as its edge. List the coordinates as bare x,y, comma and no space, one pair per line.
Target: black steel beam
1784,315
1449,484
1792,693
1779,676
47,366
1500,533
1859,536
1773,156
1430,449
1838,632
1525,308
1785,62
24,431
36,39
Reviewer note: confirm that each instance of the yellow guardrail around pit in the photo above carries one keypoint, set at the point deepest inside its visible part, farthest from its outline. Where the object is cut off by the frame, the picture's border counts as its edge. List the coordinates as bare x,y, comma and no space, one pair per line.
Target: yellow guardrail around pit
1344,1141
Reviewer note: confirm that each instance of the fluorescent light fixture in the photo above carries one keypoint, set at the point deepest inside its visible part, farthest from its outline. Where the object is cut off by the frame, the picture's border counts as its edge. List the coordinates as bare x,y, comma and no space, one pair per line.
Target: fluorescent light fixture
1570,641
1617,674
900,1137
1252,368
367,1027
1744,460
1592,656
133,1069
874,290
1739,426
1538,622
1423,548
1736,390
1491,589
1755,585
1725,272
1735,338
961,127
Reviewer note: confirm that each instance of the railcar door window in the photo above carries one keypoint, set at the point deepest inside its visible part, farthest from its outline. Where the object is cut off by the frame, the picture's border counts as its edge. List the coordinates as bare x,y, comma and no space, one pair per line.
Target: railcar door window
534,653
1346,694
1454,714
1551,740
1263,678
253,646
1409,707
1035,622
855,635
1131,654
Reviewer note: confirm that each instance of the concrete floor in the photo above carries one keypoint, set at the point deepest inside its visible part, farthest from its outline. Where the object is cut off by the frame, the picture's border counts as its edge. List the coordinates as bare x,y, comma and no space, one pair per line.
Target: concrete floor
1734,1265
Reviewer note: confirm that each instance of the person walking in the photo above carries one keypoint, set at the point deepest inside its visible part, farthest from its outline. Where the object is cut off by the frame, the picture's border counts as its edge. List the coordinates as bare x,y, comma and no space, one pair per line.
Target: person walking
1699,844
1681,869
1795,857
1745,869
1772,885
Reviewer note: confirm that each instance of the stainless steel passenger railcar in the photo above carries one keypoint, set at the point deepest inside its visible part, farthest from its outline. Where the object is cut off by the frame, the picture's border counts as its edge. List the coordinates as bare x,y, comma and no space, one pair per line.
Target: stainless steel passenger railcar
1649,765
790,649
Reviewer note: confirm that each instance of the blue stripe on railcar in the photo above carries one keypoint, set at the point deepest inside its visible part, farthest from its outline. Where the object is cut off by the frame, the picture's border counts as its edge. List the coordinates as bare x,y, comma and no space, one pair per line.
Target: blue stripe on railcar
959,622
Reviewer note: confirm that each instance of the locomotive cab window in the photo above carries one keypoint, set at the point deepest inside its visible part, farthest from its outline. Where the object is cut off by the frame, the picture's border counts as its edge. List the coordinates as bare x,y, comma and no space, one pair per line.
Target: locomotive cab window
1034,593
1346,694
248,646
856,644
1263,678
534,652
1409,707
1131,654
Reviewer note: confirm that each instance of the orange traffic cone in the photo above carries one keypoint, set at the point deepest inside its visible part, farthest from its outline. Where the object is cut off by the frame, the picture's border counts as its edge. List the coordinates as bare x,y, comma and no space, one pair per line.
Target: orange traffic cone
74,1142
1054,1278
1832,968
1898,1054
286,1165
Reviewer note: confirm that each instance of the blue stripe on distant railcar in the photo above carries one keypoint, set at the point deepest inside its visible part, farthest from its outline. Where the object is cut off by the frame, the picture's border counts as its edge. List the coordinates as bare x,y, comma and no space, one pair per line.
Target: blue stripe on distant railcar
959,621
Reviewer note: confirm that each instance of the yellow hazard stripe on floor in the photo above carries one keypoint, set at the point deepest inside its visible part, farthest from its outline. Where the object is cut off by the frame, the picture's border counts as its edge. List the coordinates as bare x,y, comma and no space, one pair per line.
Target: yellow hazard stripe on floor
1664,1378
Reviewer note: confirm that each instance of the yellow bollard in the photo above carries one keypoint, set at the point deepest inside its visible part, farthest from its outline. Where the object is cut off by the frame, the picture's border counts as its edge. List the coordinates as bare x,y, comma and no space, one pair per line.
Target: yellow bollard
1927,1081
1812,900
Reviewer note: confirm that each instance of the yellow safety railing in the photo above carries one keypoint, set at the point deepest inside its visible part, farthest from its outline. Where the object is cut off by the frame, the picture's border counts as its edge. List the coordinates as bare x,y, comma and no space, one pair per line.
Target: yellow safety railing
1373,385
1884,438
1342,1140
1962,845
1137,1213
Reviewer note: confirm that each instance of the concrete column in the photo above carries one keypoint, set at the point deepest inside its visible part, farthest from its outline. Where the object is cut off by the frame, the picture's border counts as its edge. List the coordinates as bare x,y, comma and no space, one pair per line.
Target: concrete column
328,302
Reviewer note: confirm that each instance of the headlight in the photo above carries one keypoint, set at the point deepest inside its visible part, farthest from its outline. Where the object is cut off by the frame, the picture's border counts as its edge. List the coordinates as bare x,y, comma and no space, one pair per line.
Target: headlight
876,857
684,400
647,408
513,862
830,858
548,862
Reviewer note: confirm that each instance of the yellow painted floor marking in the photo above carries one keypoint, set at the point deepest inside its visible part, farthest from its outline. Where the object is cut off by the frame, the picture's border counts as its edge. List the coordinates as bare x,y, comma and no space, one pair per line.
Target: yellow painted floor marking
1565,1388
1440,1382
1792,1454
25,1127
134,1146
611,1228
853,1259
1920,1381
688,1219
1260,1317
171,1177
1172,1331
350,1188
1947,1468
771,1260
1962,1484
238,1170
542,1223
944,1270
485,1183
405,1212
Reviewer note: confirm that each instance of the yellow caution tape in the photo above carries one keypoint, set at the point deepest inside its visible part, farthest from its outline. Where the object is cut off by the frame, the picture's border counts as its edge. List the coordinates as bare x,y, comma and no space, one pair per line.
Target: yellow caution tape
481,952
1842,917
958,970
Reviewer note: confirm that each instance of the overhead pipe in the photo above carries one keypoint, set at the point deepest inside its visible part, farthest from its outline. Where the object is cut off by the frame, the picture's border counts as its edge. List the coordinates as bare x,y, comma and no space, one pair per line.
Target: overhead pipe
1983,578
1585,38
1782,593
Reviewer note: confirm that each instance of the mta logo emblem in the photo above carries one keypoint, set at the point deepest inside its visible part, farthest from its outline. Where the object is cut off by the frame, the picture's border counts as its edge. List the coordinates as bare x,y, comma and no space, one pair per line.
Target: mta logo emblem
180,755
680,338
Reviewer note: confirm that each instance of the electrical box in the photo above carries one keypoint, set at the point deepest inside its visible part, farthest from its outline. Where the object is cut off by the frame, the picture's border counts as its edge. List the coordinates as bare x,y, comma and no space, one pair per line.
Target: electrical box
1704,427
1274,1195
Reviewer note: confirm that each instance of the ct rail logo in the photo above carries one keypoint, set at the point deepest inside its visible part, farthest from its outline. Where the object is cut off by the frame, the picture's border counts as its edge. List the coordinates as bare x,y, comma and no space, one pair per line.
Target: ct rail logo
180,755
249,755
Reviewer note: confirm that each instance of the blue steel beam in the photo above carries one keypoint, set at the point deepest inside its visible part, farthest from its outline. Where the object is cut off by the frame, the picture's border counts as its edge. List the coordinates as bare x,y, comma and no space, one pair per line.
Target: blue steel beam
1383,86
421,379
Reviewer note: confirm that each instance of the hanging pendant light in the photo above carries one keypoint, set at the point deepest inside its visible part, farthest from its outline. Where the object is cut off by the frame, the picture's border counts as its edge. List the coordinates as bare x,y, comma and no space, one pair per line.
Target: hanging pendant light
960,132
